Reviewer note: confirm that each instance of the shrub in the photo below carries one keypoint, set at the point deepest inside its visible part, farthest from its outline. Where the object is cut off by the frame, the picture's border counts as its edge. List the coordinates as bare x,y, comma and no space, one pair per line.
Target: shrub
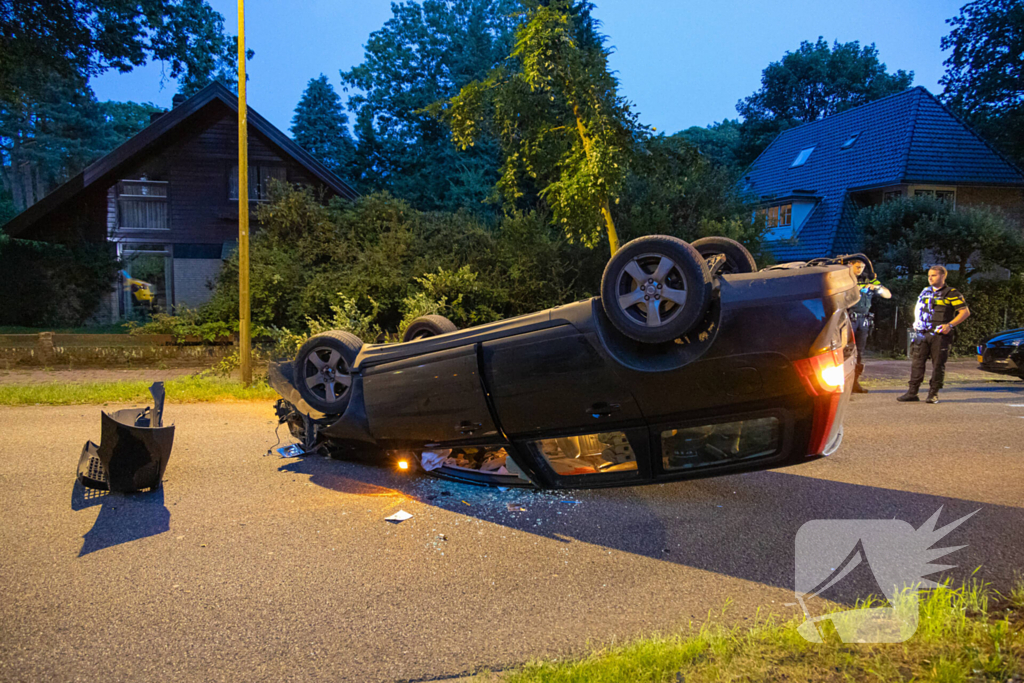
58,285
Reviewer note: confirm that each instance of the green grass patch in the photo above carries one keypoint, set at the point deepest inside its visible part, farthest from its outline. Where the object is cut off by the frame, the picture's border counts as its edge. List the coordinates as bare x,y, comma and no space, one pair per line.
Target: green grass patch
964,635
183,390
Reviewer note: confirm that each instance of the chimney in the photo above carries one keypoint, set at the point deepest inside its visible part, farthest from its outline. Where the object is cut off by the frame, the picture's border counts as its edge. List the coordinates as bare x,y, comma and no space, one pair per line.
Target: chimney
177,99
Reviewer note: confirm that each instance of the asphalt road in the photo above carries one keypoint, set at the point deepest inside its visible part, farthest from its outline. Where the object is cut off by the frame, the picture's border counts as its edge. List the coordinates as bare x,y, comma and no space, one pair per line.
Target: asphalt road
254,568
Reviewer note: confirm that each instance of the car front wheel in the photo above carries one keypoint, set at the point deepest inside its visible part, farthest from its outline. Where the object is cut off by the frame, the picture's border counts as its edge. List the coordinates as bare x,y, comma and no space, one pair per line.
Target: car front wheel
655,289
323,370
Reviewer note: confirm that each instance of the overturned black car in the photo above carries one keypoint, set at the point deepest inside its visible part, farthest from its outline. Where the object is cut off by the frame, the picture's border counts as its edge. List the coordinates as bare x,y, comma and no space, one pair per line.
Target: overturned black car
689,364
1003,353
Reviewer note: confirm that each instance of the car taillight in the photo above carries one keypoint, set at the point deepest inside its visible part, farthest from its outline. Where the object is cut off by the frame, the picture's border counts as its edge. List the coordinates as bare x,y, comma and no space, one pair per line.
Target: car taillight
823,374
824,377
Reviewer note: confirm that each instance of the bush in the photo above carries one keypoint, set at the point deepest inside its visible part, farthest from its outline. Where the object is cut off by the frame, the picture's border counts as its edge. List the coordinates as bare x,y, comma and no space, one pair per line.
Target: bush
58,285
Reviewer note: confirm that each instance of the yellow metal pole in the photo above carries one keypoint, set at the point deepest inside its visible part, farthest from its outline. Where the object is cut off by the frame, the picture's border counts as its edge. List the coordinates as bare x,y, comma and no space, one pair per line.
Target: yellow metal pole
244,342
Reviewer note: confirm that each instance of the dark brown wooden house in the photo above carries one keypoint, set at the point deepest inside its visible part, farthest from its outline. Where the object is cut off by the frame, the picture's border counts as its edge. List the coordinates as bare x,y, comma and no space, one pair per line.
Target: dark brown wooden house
168,197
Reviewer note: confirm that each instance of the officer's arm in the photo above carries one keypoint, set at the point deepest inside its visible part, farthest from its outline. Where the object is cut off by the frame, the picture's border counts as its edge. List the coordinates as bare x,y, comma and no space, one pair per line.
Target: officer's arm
884,292
961,316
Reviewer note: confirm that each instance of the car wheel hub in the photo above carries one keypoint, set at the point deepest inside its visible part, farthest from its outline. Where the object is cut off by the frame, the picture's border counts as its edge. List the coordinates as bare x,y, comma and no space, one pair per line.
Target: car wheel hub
651,290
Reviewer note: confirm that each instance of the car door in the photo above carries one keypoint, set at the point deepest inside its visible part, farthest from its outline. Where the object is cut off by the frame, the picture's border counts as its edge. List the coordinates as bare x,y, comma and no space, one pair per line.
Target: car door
559,401
434,398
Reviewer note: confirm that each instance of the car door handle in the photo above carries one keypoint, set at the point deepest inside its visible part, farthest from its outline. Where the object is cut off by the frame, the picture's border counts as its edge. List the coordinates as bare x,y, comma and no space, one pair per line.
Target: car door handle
467,427
602,409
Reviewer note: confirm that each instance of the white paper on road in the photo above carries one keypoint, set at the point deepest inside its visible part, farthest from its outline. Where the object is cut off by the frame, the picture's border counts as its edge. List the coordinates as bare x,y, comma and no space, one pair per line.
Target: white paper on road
399,516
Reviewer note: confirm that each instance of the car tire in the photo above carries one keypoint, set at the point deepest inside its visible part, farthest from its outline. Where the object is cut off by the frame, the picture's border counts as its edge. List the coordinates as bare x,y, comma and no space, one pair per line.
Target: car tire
323,370
737,258
644,270
428,326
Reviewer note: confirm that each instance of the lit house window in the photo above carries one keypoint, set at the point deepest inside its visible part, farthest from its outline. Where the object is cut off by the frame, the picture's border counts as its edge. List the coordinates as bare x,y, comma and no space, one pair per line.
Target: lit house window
142,205
941,195
802,157
260,176
780,216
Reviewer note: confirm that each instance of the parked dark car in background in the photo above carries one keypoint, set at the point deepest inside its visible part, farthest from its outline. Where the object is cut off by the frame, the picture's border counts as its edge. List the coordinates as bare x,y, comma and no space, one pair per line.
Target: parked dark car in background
1003,352
689,364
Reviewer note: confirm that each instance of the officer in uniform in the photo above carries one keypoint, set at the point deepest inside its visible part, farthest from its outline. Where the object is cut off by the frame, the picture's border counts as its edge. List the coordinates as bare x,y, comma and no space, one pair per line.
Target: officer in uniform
939,309
861,315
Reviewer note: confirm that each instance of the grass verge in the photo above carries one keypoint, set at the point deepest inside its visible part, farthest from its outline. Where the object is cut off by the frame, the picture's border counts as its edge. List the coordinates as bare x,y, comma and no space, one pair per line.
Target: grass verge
964,635
183,390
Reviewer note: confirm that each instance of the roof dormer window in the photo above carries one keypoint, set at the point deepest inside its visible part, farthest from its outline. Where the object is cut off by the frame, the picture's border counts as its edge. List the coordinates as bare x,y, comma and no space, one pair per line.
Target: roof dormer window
849,143
802,157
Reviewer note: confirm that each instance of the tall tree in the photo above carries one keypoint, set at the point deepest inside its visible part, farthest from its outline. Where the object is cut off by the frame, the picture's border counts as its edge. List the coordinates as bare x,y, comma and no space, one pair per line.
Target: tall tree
718,142
426,52
81,38
811,83
562,124
320,126
50,122
984,79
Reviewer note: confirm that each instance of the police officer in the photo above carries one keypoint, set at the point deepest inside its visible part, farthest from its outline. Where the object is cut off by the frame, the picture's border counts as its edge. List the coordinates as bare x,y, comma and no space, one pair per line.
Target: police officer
861,315
939,309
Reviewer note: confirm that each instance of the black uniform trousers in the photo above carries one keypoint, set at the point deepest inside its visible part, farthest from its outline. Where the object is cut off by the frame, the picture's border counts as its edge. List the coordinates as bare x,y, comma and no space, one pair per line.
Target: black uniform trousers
930,345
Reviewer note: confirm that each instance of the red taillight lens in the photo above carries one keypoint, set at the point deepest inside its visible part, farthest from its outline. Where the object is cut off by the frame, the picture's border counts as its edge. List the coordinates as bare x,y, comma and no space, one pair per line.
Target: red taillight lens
823,374
824,377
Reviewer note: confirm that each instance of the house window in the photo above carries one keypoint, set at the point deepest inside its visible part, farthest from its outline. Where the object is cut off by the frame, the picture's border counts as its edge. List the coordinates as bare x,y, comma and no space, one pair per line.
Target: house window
142,205
802,157
891,195
850,141
260,176
780,216
941,195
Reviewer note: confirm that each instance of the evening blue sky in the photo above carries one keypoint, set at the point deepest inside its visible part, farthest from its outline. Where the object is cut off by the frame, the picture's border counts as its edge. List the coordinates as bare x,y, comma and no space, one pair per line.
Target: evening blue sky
681,62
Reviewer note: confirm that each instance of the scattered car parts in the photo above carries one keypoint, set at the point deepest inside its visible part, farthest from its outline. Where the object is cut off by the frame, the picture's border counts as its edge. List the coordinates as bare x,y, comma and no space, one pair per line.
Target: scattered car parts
133,451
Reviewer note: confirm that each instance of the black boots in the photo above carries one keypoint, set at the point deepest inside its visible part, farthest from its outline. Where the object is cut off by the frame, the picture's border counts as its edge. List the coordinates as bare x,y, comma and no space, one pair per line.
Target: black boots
857,388
909,396
933,397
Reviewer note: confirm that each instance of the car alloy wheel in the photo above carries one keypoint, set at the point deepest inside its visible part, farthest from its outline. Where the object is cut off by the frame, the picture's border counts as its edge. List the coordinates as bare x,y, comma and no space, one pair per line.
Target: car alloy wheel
651,290
327,375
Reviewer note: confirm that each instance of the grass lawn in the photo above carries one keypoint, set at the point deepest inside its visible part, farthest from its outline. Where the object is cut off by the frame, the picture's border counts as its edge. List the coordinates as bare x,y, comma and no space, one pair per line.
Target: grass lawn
964,635
184,390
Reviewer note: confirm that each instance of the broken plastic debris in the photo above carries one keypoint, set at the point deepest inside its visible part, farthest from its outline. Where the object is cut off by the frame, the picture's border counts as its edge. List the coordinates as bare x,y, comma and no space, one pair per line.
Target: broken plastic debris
293,451
516,507
467,503
399,516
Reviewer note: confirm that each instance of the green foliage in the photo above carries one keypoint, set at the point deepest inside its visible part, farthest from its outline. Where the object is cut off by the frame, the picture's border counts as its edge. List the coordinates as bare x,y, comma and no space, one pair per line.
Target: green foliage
809,84
984,79
673,189
426,52
372,265
718,142
564,130
974,238
320,126
185,325
51,284
76,39
51,125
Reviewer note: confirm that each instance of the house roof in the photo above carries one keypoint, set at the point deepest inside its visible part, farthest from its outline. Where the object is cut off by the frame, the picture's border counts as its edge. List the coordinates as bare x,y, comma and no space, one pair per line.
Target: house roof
151,135
909,137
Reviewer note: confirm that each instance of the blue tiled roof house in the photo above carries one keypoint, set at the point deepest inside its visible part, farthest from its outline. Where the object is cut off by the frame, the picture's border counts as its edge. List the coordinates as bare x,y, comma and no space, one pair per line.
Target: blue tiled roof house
812,179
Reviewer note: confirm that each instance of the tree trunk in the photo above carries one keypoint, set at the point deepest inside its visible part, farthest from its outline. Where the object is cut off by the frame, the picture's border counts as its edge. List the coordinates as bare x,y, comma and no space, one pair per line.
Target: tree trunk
606,211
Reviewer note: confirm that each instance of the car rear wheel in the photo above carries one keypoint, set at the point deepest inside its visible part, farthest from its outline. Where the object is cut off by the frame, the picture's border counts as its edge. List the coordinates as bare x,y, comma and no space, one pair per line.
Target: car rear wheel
428,326
323,370
655,289
737,258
